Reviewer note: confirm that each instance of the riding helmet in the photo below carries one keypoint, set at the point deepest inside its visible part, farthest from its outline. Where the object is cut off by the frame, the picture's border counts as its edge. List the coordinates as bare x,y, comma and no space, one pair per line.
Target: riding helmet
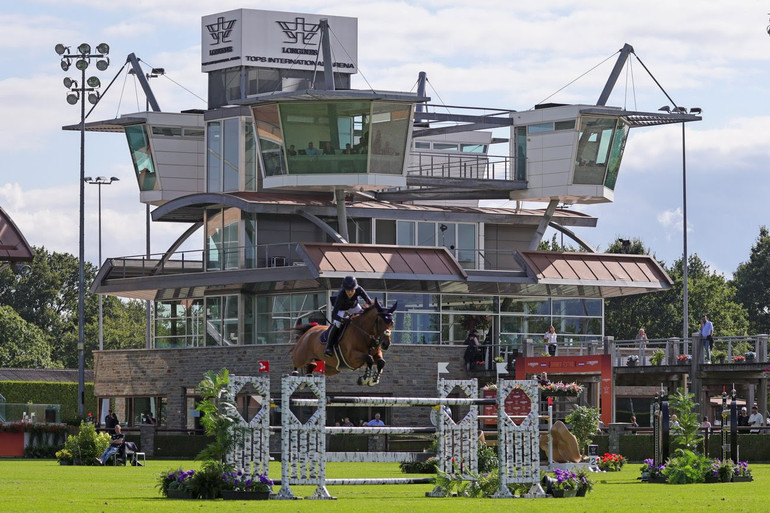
349,283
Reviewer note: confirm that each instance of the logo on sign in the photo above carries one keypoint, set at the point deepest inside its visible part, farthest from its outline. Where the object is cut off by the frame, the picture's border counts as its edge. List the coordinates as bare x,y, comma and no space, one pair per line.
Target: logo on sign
264,366
299,31
221,31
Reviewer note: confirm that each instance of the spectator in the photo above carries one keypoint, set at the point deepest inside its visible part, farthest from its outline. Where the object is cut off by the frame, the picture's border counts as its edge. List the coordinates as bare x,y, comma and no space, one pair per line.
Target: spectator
705,425
375,421
743,418
550,340
116,446
756,420
473,351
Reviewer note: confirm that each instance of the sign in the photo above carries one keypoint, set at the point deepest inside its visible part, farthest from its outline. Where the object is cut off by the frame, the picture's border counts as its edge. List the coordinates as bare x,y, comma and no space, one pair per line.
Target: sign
264,366
272,39
517,404
320,366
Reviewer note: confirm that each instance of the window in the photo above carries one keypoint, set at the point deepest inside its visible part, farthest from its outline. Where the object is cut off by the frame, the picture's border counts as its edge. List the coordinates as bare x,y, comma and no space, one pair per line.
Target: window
417,320
277,315
141,155
179,323
593,152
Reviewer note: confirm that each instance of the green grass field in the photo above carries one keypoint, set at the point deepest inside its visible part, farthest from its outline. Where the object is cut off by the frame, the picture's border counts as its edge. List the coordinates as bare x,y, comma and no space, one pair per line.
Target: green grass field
44,486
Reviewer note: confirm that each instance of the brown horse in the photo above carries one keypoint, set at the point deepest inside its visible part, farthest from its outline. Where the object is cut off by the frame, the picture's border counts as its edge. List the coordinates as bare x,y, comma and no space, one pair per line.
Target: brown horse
362,340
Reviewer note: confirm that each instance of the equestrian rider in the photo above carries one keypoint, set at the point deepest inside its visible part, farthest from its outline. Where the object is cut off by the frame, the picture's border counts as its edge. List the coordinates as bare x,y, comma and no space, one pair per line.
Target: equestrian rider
345,305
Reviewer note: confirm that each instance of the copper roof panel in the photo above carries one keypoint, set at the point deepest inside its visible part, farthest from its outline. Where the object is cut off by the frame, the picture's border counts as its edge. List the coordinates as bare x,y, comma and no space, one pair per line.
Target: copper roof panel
617,270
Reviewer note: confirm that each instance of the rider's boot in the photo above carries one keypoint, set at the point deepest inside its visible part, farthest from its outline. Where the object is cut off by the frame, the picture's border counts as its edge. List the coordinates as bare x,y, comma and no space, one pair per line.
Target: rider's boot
331,340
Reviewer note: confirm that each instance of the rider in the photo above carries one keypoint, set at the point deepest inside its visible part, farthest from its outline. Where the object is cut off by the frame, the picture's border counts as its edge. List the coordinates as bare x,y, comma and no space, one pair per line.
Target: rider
346,304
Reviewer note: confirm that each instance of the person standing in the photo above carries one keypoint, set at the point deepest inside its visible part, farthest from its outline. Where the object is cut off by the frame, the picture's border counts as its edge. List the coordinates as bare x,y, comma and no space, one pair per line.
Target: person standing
376,421
706,336
642,338
756,420
473,351
550,340
743,418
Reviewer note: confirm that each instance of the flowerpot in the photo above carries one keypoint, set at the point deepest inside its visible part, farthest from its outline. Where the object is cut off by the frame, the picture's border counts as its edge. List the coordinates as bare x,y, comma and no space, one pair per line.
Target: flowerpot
743,479
711,479
179,494
581,492
560,494
632,363
657,479
232,495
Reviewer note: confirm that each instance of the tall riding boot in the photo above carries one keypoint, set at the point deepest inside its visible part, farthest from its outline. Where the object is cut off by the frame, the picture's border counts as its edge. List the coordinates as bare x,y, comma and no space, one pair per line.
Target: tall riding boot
331,340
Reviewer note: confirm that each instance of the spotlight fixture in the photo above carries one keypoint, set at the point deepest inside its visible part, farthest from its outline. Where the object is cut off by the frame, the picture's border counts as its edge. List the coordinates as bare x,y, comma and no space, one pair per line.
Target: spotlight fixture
665,108
695,110
84,48
103,48
93,82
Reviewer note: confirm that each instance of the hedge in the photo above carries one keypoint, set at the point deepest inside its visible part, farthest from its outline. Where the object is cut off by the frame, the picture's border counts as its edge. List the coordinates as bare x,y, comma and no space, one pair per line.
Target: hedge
40,392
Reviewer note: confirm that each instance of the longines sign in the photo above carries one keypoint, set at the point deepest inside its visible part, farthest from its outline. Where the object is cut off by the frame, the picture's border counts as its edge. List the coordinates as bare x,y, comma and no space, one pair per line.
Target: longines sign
271,39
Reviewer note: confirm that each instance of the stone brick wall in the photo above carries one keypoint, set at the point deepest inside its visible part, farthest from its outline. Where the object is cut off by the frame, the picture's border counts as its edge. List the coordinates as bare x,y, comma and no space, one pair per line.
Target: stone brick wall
410,370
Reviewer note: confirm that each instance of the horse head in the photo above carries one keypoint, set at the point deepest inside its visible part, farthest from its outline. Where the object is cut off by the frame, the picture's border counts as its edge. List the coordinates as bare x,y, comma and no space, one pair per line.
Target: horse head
384,323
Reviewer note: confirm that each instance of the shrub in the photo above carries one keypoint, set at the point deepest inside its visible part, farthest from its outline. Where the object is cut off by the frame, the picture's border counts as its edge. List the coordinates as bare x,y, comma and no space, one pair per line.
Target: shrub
207,483
687,467
87,444
419,467
583,421
245,481
650,470
175,480
611,462
657,357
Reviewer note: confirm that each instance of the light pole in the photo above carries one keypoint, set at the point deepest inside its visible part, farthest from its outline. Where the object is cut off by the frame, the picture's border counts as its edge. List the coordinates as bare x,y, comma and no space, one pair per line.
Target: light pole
77,93
100,180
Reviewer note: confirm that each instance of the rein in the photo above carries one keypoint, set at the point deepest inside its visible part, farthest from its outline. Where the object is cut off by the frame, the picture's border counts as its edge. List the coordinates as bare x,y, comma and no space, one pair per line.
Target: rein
375,340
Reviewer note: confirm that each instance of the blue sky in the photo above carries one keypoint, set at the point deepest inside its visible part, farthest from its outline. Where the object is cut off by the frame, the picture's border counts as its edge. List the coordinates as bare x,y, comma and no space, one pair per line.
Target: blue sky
714,55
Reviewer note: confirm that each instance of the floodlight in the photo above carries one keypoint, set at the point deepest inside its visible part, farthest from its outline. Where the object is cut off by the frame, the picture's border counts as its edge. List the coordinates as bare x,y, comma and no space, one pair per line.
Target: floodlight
103,64
72,98
65,64
665,108
84,48
93,98
103,48
93,82
695,110
61,49
81,64
68,82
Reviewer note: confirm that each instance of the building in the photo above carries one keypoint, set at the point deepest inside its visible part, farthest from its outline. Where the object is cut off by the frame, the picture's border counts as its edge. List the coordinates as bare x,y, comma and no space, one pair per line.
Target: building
295,184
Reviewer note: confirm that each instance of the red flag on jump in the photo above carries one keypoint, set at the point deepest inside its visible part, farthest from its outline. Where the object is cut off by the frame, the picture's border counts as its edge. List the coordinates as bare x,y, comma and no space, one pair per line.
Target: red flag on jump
320,366
264,366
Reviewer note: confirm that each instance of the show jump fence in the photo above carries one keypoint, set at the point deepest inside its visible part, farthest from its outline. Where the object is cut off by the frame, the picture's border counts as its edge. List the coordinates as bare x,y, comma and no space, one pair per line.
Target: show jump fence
303,444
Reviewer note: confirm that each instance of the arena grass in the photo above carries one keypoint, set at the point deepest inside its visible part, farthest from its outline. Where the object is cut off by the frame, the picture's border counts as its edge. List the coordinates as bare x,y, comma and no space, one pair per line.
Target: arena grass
44,486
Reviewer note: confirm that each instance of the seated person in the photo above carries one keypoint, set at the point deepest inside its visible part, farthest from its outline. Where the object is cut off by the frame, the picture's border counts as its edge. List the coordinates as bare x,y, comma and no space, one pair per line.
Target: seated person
291,152
310,150
348,150
117,440
327,148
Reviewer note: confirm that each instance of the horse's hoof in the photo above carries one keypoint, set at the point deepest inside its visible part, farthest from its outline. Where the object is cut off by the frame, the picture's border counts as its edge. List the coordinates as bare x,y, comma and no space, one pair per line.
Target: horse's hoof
295,373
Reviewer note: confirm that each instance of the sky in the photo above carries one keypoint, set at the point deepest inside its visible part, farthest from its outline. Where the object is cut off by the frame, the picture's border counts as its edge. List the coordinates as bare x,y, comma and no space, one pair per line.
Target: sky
484,53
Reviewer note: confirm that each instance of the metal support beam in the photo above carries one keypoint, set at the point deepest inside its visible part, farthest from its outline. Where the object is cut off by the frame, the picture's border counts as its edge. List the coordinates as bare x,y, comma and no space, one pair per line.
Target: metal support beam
342,214
326,55
131,59
613,78
544,222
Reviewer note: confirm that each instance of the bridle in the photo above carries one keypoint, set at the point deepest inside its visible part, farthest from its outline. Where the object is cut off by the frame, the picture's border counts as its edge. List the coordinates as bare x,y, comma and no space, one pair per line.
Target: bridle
376,340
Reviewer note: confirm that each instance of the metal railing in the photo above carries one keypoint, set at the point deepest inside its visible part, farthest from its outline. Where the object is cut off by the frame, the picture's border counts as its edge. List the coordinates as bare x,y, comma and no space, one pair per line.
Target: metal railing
673,351
469,166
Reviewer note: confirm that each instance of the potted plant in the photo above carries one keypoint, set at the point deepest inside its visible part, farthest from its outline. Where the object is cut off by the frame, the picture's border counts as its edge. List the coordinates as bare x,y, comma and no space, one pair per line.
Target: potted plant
177,484
565,483
632,360
244,485
585,483
739,359
64,457
742,472
750,356
611,462
657,357
652,473
722,471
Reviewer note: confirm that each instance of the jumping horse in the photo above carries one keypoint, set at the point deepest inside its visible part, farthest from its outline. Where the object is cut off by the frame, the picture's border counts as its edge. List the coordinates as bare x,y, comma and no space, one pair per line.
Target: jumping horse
362,340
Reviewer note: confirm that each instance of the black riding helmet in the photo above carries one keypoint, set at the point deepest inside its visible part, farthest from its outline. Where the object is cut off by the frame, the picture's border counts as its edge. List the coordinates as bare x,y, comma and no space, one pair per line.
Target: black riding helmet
349,283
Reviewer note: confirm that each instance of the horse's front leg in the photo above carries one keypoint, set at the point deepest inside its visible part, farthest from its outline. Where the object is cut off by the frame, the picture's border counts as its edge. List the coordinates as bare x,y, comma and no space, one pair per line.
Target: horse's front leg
376,374
367,377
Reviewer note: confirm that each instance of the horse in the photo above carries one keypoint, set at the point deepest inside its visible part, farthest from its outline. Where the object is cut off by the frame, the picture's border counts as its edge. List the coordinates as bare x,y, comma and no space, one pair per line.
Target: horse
362,340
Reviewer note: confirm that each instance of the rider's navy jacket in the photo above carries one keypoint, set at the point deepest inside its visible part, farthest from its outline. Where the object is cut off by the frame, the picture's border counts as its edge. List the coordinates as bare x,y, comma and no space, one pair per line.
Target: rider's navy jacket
343,302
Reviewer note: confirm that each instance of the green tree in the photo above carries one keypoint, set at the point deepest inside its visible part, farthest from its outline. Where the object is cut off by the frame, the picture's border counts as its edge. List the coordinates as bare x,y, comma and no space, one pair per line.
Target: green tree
655,312
219,415
752,284
584,423
22,344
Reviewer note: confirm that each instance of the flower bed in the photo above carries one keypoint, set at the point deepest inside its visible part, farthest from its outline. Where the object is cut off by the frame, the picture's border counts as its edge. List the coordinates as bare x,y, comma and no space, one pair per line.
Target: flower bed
611,462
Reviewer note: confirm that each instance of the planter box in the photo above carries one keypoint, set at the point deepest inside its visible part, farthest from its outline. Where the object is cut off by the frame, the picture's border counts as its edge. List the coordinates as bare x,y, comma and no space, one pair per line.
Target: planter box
231,495
743,479
179,494
560,494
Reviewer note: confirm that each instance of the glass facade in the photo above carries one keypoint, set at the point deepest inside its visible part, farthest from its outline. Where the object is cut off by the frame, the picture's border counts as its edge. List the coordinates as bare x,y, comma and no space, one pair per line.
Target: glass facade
420,318
600,149
342,137
141,156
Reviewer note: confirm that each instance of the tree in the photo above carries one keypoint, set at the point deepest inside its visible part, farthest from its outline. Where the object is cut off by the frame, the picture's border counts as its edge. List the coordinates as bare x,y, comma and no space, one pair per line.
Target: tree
752,284
584,423
22,344
655,312
45,294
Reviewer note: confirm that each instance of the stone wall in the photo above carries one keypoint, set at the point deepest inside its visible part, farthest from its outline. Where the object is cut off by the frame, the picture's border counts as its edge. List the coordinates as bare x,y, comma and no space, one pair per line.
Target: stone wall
410,370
